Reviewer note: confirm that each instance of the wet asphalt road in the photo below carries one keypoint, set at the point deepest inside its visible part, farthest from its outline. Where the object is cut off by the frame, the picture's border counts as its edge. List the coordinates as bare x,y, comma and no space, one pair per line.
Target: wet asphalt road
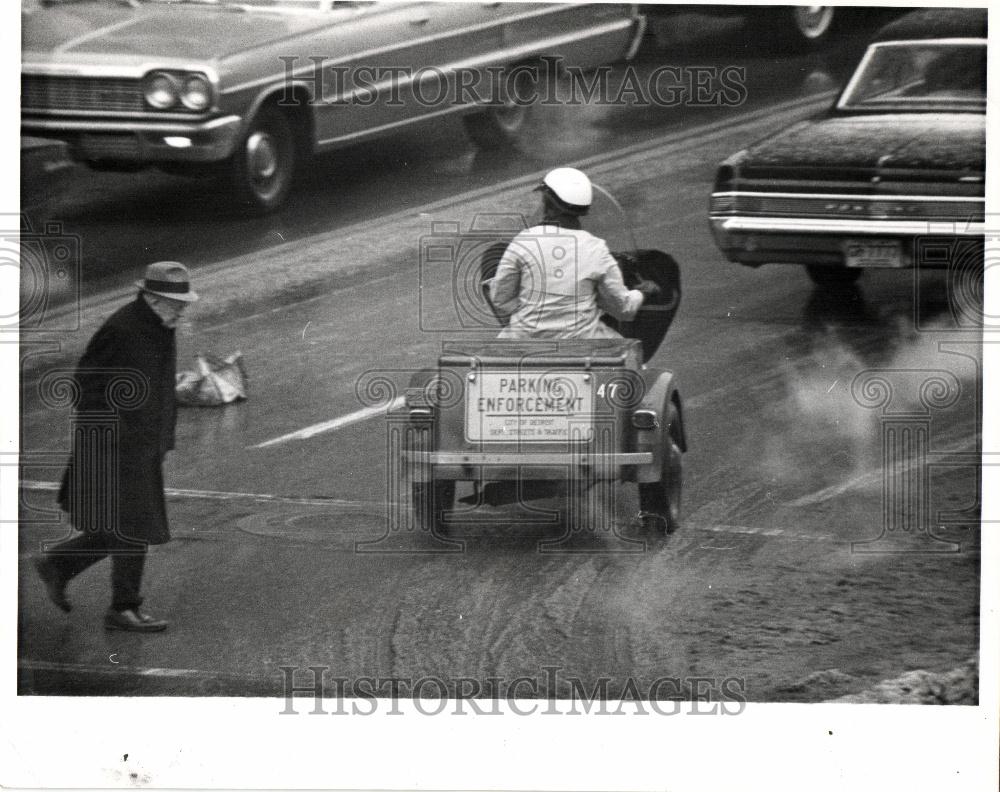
124,220
761,586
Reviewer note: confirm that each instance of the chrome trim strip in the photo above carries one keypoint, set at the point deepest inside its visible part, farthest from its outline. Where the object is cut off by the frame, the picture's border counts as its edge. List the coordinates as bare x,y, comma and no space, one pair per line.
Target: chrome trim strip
912,42
134,72
528,458
129,126
429,73
838,226
640,31
855,77
847,196
29,113
497,56
394,125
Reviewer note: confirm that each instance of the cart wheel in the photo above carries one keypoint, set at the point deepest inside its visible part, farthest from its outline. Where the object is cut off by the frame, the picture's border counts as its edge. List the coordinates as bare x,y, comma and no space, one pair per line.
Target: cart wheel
661,500
430,502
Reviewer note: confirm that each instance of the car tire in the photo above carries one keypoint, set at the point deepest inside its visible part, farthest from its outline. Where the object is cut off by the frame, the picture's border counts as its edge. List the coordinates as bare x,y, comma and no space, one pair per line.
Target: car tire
496,129
262,169
500,127
796,27
832,276
660,501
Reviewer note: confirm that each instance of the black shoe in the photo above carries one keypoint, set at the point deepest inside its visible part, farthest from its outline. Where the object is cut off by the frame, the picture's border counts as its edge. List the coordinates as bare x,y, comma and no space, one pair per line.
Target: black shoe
132,620
55,585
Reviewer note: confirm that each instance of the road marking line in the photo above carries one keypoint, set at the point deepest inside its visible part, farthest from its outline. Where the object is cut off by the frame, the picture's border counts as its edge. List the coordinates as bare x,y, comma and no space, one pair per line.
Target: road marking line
333,424
119,670
873,479
41,665
739,530
53,486
759,530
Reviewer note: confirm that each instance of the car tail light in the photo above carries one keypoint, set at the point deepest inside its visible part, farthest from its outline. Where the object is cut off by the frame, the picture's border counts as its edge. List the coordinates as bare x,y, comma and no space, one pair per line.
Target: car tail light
725,176
645,419
161,90
722,203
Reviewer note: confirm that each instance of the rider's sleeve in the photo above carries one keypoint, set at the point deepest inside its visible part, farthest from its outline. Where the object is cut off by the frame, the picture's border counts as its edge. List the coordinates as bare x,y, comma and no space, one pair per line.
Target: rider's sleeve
506,284
612,296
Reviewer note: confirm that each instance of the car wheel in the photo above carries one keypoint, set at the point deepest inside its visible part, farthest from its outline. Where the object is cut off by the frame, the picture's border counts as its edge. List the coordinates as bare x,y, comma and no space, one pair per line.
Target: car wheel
813,23
500,126
832,276
660,501
262,168
430,502
795,27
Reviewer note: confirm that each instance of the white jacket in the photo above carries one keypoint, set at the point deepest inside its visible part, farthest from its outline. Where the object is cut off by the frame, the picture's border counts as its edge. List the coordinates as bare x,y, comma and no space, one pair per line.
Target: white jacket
556,282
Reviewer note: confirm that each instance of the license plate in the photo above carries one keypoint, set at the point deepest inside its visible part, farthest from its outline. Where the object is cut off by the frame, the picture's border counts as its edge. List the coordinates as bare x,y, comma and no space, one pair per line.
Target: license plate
870,253
529,406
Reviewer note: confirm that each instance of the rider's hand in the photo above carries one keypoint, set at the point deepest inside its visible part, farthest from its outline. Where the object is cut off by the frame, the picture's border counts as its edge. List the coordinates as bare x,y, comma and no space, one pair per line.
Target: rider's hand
650,291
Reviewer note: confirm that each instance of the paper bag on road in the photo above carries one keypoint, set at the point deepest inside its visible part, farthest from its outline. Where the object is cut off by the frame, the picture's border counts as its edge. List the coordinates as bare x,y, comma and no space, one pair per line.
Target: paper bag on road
213,382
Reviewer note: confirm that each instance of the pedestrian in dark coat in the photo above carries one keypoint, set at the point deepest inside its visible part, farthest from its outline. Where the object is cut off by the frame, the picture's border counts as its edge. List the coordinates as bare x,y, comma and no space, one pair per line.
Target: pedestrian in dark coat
124,419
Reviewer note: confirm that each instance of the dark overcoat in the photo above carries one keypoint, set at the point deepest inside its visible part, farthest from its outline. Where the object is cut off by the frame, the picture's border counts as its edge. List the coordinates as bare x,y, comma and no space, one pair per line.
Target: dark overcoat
123,425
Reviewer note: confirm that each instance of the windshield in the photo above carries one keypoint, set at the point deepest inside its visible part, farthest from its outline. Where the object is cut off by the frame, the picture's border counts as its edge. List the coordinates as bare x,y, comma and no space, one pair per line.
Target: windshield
920,75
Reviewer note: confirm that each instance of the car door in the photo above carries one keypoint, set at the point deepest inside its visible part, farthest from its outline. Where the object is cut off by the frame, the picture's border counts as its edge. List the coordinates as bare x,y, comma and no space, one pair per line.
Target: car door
583,35
399,66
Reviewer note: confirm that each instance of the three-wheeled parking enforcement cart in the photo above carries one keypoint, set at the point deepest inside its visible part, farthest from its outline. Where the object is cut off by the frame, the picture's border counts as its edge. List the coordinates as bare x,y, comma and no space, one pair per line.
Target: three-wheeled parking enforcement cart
510,415
574,418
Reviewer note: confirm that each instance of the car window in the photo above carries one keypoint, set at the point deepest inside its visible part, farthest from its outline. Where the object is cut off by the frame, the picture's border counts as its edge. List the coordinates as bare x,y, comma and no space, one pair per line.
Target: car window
920,76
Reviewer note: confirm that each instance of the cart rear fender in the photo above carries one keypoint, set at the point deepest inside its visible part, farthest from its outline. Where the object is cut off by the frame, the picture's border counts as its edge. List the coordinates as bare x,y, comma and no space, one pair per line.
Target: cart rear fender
657,398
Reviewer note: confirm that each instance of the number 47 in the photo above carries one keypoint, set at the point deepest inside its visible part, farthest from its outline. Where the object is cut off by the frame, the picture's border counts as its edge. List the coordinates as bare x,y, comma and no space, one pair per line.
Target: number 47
609,390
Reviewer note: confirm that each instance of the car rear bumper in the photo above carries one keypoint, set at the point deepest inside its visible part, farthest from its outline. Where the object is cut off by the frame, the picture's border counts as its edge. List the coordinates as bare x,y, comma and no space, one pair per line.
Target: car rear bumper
762,240
469,465
141,142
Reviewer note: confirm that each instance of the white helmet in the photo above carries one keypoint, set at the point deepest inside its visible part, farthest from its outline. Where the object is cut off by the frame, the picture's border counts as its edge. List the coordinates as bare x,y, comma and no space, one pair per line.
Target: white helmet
571,187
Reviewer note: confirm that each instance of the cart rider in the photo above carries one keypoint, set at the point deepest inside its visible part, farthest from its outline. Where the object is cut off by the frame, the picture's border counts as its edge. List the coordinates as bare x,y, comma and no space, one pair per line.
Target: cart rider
555,280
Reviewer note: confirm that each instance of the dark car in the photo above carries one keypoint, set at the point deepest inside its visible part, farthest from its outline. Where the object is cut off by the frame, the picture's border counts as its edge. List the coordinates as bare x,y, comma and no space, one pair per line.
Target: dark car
901,155
798,27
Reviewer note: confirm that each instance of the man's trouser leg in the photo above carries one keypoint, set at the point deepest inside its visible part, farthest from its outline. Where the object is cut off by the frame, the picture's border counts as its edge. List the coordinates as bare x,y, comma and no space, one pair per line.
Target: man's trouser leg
128,560
71,557
127,563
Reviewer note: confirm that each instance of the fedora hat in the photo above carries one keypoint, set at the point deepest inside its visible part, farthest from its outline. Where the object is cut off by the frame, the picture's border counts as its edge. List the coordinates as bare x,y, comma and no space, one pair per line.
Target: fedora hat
168,279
